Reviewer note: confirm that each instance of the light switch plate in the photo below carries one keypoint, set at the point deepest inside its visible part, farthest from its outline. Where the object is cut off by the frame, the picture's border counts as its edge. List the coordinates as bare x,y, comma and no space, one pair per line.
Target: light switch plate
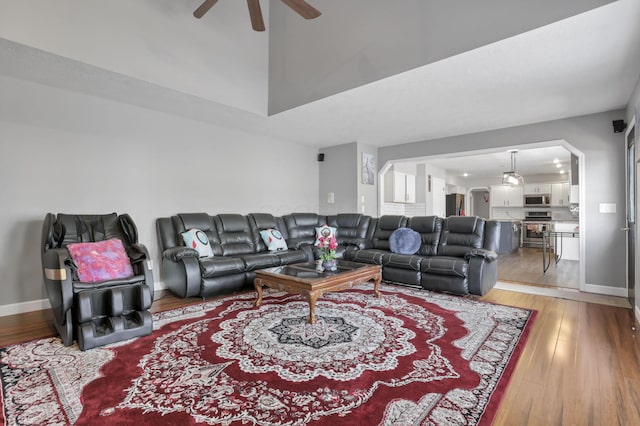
331,197
607,207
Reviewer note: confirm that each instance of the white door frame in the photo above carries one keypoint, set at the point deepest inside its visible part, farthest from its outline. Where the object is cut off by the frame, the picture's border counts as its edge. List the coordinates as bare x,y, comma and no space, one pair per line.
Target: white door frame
469,199
627,132
581,173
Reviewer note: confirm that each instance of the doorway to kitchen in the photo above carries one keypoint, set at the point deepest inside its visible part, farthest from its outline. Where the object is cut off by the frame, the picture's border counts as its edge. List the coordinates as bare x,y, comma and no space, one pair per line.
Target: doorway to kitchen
523,263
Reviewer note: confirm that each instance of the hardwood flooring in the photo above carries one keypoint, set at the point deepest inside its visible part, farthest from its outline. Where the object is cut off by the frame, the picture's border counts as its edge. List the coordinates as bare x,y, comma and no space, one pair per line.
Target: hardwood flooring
580,366
525,265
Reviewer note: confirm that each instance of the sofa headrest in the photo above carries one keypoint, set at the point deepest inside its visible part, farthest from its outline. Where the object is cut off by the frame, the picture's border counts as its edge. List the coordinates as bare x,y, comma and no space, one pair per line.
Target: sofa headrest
348,220
463,224
201,221
233,222
391,222
264,220
90,227
425,224
305,219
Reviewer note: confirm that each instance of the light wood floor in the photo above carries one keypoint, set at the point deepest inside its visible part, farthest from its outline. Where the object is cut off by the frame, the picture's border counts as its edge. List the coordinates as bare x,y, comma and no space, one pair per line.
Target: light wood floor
525,265
580,366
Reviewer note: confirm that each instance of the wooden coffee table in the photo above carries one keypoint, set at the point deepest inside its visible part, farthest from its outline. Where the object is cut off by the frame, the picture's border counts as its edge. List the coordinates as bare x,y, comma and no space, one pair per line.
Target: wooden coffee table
302,278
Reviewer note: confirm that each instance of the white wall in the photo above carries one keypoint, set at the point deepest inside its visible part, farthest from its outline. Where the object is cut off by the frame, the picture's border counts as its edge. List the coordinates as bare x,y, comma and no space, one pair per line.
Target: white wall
217,57
62,151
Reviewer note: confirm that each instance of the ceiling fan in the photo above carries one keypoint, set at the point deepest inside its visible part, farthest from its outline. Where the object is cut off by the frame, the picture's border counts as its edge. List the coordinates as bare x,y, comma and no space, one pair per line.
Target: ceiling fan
301,7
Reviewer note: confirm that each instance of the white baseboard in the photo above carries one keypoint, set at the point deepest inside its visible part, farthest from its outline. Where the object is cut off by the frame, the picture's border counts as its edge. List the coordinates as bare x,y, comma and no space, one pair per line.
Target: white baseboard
39,305
609,291
21,308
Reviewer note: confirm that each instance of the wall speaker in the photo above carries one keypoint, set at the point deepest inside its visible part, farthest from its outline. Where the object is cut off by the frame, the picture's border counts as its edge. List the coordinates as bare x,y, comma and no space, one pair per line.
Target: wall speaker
618,126
321,156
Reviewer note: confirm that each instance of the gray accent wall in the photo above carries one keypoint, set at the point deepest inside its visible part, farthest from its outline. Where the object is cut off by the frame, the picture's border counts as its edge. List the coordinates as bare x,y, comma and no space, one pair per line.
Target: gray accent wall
367,194
62,151
604,179
341,174
357,42
338,174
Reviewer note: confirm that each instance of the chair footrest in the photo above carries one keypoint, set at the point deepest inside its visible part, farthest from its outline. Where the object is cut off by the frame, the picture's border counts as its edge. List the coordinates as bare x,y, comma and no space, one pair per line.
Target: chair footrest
112,302
105,330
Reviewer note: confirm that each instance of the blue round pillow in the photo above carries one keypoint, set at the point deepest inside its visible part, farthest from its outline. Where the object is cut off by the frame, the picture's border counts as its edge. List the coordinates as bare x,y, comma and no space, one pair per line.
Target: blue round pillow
405,241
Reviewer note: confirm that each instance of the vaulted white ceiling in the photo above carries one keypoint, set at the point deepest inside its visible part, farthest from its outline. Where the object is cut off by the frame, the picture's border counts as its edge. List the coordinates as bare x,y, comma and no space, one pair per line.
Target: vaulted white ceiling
153,53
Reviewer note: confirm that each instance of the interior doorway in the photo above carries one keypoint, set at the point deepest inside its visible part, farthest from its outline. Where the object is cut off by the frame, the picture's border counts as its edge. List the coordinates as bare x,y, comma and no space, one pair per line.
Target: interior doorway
527,266
479,202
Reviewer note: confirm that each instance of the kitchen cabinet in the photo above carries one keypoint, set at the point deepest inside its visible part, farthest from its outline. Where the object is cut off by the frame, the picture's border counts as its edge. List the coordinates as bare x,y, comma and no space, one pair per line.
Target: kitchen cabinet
510,235
404,188
506,196
574,194
537,188
568,246
560,194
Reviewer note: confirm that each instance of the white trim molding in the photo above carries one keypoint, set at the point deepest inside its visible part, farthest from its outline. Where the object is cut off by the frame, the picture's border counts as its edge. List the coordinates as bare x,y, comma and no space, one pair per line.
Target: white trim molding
609,291
23,307
637,311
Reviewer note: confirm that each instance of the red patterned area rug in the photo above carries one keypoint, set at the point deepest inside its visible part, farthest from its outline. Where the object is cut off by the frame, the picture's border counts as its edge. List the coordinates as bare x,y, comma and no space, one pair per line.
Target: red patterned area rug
411,357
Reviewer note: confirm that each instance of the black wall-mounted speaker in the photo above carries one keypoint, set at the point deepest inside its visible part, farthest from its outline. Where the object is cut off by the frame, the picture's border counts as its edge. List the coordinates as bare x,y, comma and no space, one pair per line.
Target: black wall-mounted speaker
321,157
618,126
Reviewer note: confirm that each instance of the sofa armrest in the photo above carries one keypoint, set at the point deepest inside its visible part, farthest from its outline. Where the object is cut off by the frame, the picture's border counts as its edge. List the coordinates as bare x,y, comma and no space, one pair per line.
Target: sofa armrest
58,279
360,243
488,255
298,243
180,252
142,263
137,252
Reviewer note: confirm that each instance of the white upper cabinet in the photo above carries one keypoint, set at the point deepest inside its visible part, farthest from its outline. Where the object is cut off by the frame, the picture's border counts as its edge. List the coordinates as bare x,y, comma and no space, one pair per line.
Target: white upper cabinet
537,188
574,194
404,188
560,194
506,196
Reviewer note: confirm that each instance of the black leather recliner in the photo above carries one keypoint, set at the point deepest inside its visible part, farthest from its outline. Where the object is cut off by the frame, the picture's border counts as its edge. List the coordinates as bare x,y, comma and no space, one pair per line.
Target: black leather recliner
96,313
238,251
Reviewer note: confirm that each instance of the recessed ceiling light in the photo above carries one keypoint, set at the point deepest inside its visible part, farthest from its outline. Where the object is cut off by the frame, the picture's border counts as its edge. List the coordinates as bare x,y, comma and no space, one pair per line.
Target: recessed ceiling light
465,174
561,172
558,165
556,161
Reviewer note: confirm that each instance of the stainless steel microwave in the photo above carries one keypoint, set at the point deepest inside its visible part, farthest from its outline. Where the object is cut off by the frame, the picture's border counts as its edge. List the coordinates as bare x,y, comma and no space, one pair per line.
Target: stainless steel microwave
538,200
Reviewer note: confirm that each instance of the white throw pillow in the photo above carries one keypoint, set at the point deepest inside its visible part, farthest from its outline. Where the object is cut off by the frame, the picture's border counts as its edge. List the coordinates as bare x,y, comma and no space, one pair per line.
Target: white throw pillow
198,240
324,231
273,239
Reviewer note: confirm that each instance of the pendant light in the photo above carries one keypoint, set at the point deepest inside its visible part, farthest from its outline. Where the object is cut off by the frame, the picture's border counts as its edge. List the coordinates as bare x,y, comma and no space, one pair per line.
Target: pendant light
511,177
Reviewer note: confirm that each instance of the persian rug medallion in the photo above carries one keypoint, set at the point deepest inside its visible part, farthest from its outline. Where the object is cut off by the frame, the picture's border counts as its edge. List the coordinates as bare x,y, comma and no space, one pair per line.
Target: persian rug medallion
411,357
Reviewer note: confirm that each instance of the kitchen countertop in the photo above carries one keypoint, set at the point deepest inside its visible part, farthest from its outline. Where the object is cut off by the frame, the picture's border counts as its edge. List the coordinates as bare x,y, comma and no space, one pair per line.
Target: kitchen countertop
572,226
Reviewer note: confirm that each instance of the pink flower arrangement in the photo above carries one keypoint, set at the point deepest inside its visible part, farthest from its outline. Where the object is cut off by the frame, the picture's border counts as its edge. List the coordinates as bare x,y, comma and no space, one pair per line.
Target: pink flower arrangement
327,247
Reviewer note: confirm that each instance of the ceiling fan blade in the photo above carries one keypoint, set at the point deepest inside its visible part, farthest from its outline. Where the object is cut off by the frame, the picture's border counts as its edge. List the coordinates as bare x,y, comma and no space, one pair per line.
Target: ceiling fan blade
204,8
303,8
257,22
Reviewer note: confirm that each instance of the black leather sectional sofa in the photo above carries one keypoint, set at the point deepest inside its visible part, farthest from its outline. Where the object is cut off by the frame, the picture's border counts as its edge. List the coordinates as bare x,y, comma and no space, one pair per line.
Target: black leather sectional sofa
457,254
